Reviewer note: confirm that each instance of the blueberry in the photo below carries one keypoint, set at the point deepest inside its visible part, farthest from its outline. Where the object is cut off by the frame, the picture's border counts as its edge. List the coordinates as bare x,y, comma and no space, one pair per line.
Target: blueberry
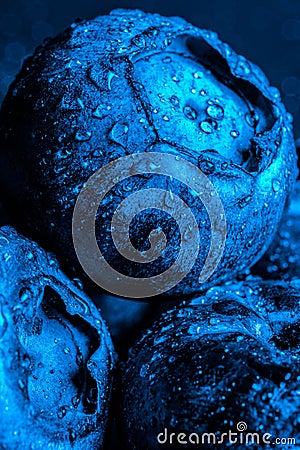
298,154
57,358
220,360
129,83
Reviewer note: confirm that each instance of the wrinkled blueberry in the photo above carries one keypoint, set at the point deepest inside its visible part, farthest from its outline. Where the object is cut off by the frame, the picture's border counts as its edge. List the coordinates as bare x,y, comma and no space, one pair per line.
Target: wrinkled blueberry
227,357
57,358
133,82
282,260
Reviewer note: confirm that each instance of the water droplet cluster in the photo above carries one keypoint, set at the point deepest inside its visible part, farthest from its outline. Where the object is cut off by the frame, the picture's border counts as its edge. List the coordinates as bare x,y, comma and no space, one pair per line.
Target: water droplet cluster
230,355
130,83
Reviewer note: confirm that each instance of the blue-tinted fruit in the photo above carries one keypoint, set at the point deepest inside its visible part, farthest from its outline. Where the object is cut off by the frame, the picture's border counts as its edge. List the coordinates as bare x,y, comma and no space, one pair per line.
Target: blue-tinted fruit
226,357
133,82
56,355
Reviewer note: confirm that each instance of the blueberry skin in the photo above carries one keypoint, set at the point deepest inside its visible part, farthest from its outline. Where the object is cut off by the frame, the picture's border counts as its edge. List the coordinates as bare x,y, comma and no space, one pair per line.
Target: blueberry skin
229,356
132,82
57,359
298,154
282,260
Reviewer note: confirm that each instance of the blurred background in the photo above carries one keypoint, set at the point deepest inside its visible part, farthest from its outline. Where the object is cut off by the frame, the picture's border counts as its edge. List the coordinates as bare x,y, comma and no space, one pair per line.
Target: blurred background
265,31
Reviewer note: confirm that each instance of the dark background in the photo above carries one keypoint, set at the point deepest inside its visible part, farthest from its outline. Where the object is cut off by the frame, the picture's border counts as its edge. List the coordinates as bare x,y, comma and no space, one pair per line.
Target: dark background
267,32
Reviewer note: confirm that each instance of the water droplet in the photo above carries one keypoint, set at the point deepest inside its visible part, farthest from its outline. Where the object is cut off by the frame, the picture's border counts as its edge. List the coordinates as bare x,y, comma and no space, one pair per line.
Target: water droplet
198,75
213,101
139,86
242,66
97,113
110,76
203,93
208,126
3,322
21,384
167,59
234,133
101,75
6,256
244,201
51,260
276,185
206,166
75,401
166,118
61,412
79,359
151,32
187,234
67,350
215,111
251,118
169,198
80,103
161,97
3,241
83,136
72,436
119,133
24,294
78,283
139,41
174,100
277,143
274,92
190,113
30,256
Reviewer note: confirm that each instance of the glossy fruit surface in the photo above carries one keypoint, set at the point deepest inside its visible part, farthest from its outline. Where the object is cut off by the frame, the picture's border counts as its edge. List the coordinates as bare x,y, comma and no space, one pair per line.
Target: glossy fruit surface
132,83
57,360
226,358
